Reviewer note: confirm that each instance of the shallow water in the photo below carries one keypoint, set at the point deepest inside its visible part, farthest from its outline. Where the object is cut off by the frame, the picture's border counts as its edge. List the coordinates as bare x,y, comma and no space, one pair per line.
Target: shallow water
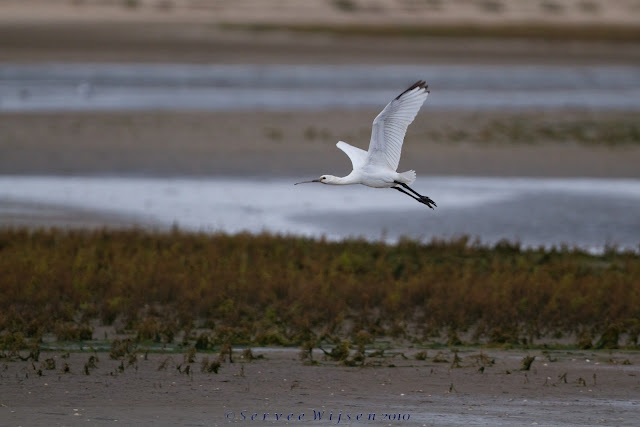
122,87
587,213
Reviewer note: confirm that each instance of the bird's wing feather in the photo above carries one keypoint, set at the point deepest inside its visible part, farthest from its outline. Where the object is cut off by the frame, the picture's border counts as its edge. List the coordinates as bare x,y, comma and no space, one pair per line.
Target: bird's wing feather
358,156
390,126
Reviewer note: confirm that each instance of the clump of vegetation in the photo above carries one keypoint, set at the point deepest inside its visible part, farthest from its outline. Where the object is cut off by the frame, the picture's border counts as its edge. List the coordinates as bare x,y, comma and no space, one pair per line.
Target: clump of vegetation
247,355
362,339
440,358
272,290
609,338
482,360
152,328
226,351
208,367
585,340
456,360
121,348
165,363
11,342
452,338
49,364
203,342
340,352
190,355
526,362
69,331
421,355
91,364
306,352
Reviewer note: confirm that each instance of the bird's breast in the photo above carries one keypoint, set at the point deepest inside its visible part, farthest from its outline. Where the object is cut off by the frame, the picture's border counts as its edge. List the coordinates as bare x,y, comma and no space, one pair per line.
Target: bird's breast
377,178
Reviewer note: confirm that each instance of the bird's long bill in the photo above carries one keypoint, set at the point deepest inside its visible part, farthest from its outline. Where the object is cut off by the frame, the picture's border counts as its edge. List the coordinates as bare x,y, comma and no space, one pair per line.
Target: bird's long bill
306,182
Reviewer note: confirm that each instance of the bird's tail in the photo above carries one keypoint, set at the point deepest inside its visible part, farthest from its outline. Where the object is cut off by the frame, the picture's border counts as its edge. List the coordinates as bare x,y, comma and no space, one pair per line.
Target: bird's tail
408,177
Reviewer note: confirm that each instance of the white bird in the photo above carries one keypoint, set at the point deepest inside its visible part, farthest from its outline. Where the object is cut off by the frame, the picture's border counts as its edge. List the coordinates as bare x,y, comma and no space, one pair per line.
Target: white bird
377,167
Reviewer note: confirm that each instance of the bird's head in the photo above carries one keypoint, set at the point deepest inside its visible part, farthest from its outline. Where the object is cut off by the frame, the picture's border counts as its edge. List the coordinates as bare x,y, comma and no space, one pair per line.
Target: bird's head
324,179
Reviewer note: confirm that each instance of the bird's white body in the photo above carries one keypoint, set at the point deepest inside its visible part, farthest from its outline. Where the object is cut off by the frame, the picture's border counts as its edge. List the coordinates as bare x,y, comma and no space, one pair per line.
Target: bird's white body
377,167
372,176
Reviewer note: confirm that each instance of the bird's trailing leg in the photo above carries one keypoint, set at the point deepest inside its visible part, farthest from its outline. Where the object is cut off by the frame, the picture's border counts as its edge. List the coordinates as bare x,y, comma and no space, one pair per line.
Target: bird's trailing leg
408,194
422,199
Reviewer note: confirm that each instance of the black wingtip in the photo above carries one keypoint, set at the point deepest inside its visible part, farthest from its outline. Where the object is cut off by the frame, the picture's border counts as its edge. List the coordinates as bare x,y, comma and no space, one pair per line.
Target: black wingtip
419,84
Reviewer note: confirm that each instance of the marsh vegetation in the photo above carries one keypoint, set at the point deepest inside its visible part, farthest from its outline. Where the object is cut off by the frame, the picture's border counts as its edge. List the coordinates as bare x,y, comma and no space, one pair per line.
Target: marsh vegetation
211,291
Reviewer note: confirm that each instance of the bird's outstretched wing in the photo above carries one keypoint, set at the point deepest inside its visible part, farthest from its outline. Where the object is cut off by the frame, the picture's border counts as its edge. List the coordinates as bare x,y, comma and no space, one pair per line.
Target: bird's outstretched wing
358,156
391,125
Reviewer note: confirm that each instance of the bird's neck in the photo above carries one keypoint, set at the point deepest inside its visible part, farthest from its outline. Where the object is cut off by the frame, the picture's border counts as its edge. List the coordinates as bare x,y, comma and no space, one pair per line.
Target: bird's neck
345,180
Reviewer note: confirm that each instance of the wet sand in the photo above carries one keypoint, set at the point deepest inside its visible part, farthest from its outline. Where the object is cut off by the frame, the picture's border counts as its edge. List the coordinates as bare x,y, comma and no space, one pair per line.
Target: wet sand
179,31
18,214
294,144
198,43
561,388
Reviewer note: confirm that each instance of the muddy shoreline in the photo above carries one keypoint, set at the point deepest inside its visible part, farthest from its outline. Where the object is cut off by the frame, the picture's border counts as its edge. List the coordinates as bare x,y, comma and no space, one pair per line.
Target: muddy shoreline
291,144
175,43
561,388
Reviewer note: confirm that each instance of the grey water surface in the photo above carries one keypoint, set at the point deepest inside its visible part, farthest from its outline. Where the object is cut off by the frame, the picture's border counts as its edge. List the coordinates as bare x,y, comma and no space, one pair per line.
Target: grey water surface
129,87
592,214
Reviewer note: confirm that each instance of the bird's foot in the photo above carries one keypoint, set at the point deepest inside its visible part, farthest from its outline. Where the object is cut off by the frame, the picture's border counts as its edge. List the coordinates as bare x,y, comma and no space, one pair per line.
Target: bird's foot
427,201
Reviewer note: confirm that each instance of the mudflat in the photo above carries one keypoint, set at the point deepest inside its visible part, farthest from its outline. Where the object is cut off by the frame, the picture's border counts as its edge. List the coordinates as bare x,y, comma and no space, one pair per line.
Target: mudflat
467,387
301,144
198,43
320,32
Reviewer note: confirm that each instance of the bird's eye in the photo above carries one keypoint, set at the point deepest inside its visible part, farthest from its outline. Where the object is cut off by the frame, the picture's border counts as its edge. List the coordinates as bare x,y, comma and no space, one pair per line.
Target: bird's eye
324,177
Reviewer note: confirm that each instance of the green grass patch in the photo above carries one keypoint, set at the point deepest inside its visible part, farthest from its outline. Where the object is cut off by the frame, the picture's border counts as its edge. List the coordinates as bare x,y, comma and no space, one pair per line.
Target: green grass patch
209,291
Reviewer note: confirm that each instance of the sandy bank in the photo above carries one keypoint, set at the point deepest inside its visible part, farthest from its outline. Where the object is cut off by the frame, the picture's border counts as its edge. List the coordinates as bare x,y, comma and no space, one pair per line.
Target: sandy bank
313,32
303,144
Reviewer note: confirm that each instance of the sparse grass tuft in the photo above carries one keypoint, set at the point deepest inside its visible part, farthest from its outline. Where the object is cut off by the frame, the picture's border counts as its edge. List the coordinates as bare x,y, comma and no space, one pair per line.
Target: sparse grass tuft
585,340
440,358
190,355
49,364
248,355
526,362
209,367
121,348
340,352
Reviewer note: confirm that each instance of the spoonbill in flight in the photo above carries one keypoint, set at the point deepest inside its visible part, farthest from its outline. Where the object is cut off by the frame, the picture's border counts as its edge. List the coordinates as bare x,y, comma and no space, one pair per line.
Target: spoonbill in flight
377,167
